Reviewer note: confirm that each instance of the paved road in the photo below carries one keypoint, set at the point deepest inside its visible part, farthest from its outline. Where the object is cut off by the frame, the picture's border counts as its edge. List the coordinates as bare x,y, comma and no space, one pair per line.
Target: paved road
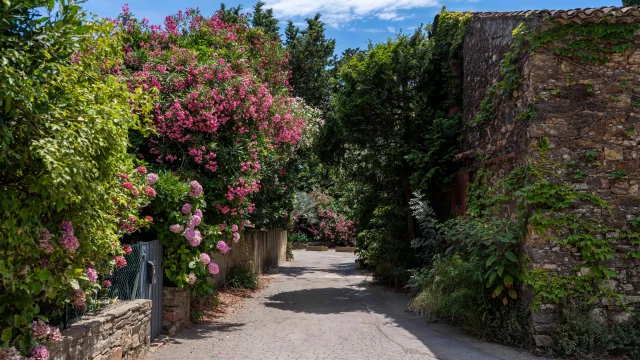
322,307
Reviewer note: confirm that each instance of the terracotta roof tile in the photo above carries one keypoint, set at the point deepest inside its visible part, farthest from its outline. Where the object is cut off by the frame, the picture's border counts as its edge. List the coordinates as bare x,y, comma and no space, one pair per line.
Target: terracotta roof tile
607,14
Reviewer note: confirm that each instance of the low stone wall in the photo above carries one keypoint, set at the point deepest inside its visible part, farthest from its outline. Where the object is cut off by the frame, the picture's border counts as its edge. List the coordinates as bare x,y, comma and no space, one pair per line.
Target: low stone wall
262,249
176,310
121,332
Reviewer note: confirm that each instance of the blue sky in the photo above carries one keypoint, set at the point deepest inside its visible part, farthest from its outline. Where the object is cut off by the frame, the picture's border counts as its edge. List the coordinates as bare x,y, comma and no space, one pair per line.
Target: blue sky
351,22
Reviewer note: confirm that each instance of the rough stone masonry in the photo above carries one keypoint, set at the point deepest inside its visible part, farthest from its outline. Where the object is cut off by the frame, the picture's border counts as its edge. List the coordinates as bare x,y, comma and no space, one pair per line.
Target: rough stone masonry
121,332
587,112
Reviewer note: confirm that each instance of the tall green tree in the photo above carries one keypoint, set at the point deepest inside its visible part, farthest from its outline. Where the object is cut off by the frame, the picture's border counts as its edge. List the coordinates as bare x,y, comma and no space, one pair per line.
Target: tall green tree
310,58
630,2
264,19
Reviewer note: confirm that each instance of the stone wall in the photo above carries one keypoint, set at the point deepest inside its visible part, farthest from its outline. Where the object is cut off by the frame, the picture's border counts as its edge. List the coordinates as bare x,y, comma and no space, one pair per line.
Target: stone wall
121,332
587,113
176,310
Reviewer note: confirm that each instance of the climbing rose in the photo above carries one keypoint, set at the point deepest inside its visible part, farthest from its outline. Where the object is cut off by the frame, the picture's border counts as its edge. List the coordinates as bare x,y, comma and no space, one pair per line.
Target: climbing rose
186,209
196,189
195,221
176,228
199,213
40,330
127,185
236,237
120,262
204,258
234,228
92,274
142,170
152,178
149,218
127,249
222,227
39,352
106,283
223,247
45,241
192,278
213,268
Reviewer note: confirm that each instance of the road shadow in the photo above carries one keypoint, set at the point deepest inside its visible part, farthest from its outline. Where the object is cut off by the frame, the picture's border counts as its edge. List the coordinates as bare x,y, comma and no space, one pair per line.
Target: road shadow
205,331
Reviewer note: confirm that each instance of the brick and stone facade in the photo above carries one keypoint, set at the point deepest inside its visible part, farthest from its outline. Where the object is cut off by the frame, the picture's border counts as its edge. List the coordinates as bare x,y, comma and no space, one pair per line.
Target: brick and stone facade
176,310
588,112
120,332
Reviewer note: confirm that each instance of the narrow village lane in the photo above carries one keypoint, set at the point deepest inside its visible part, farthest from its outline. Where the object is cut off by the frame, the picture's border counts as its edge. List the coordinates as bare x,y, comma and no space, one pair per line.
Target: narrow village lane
320,306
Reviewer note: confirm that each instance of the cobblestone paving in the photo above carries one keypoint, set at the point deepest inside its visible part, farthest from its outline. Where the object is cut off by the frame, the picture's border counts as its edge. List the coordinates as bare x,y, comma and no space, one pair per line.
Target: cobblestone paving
322,307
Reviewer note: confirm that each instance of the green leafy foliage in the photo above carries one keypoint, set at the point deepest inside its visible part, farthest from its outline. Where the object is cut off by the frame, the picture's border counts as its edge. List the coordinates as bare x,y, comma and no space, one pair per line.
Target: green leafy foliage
243,277
64,120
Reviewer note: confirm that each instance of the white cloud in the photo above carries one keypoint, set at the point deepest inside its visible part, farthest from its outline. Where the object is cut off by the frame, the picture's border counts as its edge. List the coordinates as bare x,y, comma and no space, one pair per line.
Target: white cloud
391,29
337,13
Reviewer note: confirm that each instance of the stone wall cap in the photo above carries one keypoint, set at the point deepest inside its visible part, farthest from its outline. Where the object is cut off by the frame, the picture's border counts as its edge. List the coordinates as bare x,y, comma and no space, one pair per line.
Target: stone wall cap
605,14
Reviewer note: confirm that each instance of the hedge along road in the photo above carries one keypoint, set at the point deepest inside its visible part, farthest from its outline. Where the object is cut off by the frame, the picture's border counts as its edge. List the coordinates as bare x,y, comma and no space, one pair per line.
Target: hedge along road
322,307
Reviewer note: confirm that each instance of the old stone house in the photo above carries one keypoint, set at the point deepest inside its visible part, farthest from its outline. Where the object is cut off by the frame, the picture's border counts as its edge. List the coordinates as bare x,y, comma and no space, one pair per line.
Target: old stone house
577,95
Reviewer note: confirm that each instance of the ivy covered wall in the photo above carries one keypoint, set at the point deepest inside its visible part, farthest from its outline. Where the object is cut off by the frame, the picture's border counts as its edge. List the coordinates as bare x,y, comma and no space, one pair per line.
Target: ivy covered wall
551,113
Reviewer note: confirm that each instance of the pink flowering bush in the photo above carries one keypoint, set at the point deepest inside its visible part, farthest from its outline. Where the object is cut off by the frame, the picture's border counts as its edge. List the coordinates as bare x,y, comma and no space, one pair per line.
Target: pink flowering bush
224,117
64,140
332,224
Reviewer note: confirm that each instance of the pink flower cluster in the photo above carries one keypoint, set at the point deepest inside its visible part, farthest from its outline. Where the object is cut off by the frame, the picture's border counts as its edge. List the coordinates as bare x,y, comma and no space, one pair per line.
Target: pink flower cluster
41,331
45,241
213,268
223,247
121,262
68,241
196,189
92,274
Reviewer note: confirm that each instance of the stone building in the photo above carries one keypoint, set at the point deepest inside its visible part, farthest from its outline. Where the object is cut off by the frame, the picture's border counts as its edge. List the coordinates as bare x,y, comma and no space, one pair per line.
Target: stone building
584,102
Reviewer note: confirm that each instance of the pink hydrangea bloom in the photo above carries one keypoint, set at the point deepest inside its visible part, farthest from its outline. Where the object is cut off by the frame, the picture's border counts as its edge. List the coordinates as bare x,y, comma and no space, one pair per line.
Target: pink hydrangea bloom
223,247
176,228
127,249
186,208
234,228
79,300
236,237
40,330
45,241
69,243
152,178
192,278
149,191
106,283
92,274
142,170
195,221
204,258
213,268
54,335
196,189
39,352
120,262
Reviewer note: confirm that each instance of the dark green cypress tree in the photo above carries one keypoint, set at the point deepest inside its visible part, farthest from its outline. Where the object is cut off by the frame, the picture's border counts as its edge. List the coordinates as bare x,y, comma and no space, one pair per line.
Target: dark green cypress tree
265,20
310,58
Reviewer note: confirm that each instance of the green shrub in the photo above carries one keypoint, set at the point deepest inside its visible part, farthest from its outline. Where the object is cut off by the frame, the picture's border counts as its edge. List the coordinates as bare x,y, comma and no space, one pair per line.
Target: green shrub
289,252
242,277
299,238
577,334
453,290
509,325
